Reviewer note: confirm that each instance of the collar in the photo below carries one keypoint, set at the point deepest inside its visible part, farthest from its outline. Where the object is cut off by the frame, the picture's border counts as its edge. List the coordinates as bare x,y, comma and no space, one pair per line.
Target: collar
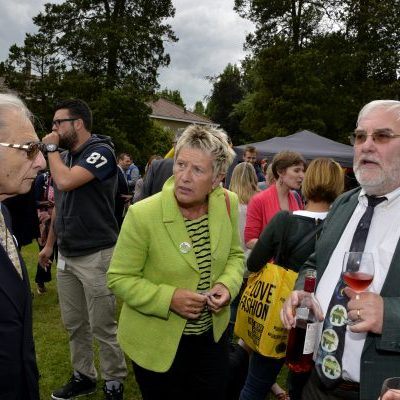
391,197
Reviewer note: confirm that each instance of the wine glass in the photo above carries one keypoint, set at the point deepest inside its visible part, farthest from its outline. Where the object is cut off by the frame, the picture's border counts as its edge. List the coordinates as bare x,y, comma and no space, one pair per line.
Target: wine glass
358,271
391,384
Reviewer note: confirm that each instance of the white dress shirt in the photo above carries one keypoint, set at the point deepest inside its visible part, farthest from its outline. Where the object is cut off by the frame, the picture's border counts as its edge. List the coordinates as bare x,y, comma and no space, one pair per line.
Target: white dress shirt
383,236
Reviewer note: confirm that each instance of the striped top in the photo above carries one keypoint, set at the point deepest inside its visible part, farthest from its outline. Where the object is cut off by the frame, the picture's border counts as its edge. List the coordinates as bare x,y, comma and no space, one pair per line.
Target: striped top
198,232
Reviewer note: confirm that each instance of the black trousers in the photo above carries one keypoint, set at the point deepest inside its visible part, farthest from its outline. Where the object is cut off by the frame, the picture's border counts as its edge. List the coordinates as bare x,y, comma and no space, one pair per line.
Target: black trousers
199,371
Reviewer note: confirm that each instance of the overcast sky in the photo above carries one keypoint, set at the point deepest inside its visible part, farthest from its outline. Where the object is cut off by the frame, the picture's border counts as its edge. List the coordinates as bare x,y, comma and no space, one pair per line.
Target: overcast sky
210,36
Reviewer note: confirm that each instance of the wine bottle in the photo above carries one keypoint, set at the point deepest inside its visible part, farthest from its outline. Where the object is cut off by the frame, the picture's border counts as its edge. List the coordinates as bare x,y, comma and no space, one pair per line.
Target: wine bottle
302,338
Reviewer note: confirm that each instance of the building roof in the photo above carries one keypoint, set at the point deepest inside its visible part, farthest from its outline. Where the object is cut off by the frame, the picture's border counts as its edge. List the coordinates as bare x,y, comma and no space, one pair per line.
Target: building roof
165,109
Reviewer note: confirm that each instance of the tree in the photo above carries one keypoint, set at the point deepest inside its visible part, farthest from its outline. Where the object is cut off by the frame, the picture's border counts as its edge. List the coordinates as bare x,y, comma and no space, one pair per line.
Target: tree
302,76
295,20
172,95
199,108
105,52
227,91
114,40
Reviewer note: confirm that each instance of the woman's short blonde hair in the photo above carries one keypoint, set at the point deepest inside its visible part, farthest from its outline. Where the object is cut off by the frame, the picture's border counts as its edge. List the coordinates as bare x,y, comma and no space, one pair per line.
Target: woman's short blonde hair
323,180
244,182
284,160
211,141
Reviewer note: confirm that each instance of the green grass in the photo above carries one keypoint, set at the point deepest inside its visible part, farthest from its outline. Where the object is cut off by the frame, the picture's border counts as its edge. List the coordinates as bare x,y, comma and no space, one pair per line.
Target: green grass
51,340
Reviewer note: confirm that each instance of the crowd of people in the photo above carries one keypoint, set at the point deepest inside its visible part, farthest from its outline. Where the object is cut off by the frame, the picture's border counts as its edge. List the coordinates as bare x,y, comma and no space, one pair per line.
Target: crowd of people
176,247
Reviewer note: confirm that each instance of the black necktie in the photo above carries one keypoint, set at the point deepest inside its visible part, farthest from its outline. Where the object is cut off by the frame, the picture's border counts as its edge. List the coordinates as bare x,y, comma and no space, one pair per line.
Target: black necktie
329,357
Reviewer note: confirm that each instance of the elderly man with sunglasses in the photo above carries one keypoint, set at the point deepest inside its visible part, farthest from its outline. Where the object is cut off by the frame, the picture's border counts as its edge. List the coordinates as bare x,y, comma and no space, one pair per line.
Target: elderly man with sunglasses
85,176
20,160
364,352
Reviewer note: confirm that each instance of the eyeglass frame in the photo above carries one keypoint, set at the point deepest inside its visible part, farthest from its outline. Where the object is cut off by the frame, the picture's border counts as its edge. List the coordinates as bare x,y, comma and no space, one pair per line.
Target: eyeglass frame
36,147
59,121
385,136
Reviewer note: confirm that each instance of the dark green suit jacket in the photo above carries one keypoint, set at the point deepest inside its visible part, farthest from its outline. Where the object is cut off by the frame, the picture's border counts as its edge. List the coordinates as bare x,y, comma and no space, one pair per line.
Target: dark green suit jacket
381,353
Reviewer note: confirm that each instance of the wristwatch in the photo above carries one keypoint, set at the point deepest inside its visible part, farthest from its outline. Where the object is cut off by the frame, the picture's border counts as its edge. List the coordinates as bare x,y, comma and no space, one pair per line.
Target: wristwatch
51,147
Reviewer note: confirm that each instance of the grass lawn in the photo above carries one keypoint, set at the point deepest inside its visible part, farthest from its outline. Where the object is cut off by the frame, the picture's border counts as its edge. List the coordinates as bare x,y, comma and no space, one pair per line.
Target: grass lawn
51,339
52,349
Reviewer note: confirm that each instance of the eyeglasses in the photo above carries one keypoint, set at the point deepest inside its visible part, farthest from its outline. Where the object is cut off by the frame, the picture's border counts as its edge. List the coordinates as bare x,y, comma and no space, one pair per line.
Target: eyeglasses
32,149
57,122
379,137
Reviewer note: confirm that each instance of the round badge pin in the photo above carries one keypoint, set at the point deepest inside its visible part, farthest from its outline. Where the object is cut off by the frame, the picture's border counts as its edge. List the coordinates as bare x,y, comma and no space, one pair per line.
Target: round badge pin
338,315
185,247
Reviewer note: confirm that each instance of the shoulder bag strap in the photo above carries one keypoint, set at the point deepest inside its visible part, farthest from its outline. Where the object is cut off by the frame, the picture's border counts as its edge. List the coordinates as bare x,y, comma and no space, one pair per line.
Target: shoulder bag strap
228,202
313,234
281,254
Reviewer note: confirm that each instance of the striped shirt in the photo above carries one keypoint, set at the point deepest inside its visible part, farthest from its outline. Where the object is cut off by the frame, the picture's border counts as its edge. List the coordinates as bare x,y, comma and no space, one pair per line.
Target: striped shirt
198,233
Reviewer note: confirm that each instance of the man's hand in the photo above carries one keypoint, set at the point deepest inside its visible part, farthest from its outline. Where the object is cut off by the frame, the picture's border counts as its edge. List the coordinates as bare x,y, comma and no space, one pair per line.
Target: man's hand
188,304
218,297
44,216
127,197
52,137
288,311
44,257
366,307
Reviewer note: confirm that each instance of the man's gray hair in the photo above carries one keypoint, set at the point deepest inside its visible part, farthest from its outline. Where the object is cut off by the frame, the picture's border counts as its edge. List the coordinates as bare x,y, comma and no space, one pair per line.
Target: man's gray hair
10,101
387,105
211,141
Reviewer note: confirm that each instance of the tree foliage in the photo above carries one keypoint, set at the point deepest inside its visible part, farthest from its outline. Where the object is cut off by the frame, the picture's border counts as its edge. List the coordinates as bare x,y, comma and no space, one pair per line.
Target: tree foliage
199,108
172,95
227,91
106,52
303,74
113,40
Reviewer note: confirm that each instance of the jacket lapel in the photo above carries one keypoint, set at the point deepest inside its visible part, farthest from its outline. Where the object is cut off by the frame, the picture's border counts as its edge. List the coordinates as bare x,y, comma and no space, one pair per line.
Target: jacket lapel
216,209
11,283
333,230
175,225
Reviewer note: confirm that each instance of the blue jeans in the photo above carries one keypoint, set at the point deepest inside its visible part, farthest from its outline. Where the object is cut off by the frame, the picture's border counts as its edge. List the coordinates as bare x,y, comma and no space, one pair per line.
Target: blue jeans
262,374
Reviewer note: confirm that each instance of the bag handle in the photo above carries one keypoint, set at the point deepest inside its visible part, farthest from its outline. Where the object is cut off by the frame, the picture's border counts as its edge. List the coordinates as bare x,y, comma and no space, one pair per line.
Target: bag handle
281,253
308,237
227,202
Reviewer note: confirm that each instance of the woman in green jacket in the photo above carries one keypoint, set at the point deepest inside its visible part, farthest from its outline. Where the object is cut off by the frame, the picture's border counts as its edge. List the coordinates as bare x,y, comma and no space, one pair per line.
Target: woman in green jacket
177,264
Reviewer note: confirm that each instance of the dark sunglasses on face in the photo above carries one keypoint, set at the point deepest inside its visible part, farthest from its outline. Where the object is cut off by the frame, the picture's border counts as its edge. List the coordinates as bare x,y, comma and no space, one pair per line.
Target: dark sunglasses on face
380,137
58,122
32,149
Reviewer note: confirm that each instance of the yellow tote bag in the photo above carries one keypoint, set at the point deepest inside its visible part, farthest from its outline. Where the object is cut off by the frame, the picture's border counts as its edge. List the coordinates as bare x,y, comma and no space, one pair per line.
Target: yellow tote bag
257,321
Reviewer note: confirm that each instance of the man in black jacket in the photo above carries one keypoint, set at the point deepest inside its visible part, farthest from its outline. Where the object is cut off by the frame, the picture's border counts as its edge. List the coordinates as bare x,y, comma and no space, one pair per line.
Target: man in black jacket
21,160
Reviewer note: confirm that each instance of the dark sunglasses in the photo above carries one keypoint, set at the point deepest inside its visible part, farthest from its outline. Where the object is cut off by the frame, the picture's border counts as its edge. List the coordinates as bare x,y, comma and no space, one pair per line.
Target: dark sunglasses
57,122
32,149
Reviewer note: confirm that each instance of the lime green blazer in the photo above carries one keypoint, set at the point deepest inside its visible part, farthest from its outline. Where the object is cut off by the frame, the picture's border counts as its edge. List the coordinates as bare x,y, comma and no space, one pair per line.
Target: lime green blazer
148,265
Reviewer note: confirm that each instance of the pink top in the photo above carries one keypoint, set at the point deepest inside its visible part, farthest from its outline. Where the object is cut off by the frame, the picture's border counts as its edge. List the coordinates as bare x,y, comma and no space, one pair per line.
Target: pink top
262,207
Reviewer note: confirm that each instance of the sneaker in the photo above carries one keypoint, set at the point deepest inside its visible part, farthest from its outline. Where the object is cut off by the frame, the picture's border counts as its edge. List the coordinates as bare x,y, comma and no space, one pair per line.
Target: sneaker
115,393
78,385
41,288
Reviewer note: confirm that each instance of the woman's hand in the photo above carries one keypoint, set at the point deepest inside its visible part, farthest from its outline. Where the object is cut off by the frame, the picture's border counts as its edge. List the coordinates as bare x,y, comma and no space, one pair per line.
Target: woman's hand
218,297
188,304
44,257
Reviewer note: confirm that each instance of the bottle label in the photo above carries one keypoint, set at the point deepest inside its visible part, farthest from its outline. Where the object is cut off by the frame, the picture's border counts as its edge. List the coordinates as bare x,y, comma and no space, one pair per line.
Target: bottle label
302,313
311,336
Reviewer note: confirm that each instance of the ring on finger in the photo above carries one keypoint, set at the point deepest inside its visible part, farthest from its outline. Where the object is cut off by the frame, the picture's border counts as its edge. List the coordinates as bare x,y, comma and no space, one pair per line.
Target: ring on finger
358,314
357,297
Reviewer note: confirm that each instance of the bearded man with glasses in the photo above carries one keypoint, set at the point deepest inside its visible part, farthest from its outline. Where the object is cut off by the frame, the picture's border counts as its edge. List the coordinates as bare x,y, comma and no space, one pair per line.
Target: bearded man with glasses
21,160
365,353
85,178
